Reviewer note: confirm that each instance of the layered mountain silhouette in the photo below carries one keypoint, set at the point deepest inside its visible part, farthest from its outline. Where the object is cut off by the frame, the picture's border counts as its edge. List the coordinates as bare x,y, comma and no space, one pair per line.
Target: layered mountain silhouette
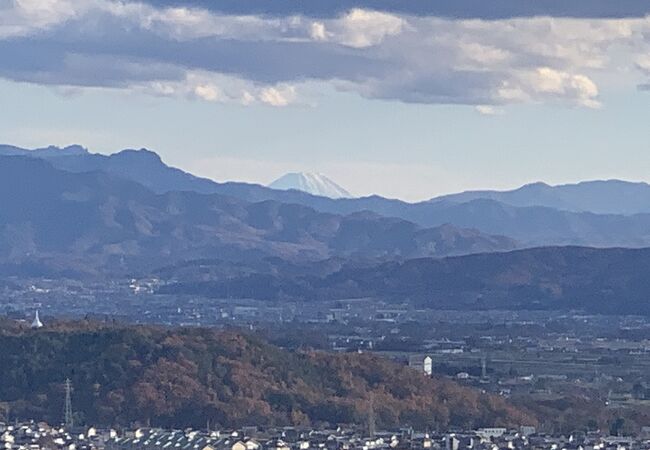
67,212
598,213
600,197
53,219
609,281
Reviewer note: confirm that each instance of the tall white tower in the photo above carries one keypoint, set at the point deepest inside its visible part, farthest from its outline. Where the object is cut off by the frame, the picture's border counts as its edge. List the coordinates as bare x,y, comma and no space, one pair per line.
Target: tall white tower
36,323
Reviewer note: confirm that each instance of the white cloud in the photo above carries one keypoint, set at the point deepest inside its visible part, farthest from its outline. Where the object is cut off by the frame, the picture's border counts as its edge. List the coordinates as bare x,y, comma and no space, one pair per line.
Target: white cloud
360,28
248,59
208,92
185,24
545,82
488,110
277,96
219,88
22,17
318,32
643,64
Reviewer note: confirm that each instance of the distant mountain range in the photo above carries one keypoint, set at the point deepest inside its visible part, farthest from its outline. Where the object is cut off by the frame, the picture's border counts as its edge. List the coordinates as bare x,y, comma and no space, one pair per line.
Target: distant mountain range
69,213
142,166
54,220
312,183
599,197
606,281
596,281
598,213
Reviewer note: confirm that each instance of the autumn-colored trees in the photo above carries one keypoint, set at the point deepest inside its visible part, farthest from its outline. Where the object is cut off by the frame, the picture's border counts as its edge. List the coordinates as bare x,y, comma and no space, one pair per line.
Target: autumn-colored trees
179,377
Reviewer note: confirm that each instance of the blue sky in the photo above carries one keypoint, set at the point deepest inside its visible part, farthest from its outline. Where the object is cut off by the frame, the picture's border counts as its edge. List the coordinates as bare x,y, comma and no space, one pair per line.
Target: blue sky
408,103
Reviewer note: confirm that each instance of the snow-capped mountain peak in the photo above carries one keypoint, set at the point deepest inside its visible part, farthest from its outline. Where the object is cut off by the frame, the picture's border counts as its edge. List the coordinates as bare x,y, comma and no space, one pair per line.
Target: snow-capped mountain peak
312,183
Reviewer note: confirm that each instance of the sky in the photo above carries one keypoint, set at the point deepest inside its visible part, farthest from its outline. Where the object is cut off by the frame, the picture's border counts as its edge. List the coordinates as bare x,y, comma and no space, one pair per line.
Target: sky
403,99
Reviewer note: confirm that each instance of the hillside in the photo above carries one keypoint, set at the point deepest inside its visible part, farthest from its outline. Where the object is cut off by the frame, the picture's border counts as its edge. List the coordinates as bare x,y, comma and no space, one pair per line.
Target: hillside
597,281
184,377
610,281
57,222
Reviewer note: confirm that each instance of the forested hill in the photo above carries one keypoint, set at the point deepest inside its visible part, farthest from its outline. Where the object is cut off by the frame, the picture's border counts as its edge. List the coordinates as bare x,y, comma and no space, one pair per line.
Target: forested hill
597,281
181,377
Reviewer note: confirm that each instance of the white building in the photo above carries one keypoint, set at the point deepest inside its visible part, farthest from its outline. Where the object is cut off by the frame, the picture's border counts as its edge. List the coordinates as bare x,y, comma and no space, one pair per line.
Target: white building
423,364
36,323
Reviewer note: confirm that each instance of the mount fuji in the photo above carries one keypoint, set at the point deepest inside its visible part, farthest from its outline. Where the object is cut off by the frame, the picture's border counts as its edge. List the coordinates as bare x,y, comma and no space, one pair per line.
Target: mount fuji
312,183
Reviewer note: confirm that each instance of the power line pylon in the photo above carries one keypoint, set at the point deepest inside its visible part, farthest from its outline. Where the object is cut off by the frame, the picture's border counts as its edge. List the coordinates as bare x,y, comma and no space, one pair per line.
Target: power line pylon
68,417
371,416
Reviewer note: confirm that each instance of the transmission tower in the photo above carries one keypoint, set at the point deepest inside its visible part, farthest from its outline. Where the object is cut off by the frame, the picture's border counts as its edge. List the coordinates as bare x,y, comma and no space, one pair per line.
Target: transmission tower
371,416
69,419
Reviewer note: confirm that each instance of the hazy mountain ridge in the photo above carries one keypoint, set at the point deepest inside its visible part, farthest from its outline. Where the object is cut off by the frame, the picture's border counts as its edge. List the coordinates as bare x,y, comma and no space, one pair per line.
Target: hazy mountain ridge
142,166
70,222
610,281
597,281
527,223
598,196
96,220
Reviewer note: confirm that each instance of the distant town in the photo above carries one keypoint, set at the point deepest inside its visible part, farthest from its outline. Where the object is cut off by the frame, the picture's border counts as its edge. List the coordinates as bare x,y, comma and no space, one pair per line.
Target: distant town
41,436
518,355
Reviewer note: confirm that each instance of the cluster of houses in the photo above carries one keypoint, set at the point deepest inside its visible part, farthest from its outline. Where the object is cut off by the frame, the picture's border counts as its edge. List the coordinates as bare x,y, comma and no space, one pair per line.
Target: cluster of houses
39,436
